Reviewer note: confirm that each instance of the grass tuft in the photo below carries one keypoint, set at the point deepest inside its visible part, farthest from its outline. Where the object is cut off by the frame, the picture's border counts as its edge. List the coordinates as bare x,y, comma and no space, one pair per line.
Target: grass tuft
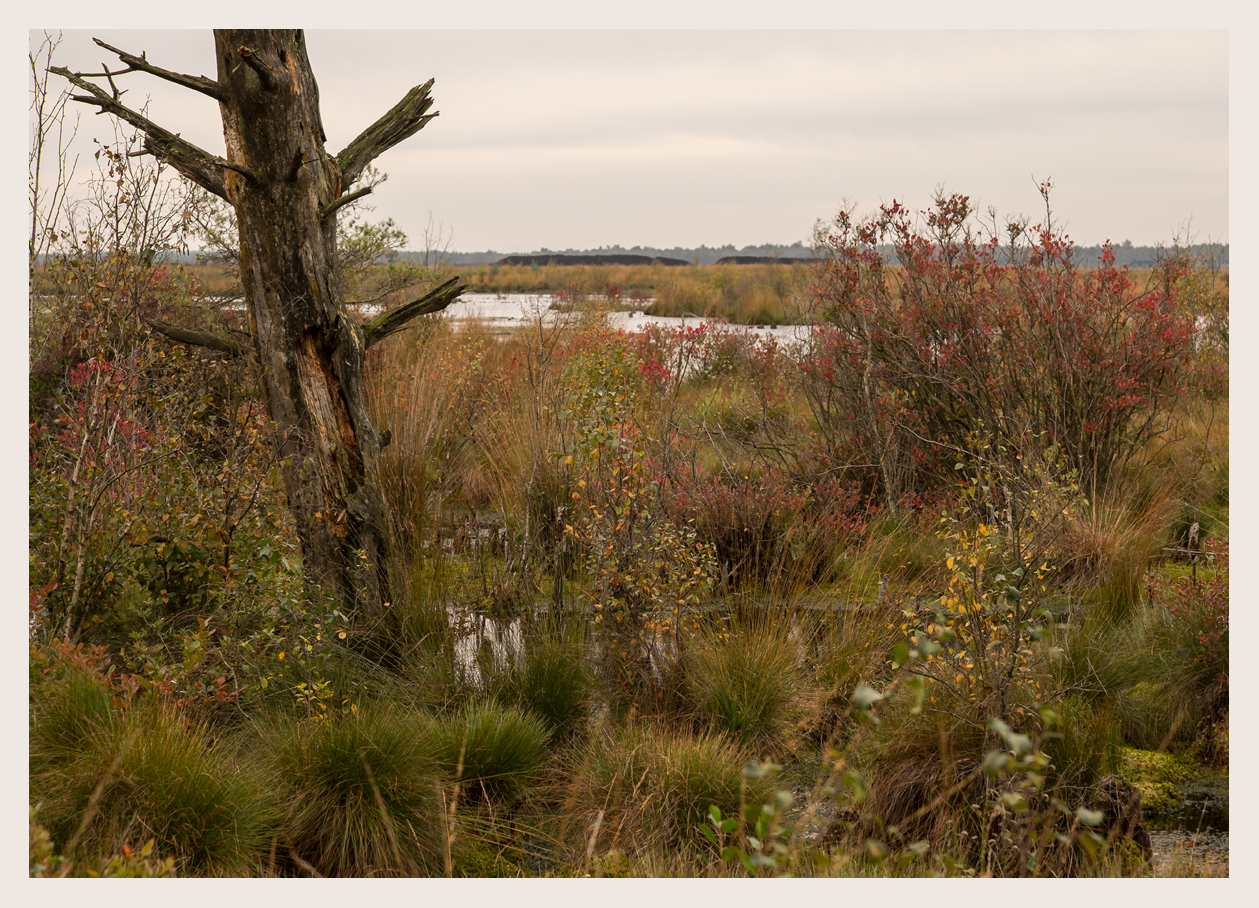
362,794
494,751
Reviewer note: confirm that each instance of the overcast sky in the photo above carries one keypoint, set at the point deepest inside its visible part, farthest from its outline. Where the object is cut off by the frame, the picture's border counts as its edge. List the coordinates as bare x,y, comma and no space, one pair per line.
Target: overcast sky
680,138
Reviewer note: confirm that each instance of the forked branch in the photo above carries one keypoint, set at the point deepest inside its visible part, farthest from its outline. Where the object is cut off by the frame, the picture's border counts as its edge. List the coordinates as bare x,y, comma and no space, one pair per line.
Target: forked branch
198,165
406,118
140,64
395,320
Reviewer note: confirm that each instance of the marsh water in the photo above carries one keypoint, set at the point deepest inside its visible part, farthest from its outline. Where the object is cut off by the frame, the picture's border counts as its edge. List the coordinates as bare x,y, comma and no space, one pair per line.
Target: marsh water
508,311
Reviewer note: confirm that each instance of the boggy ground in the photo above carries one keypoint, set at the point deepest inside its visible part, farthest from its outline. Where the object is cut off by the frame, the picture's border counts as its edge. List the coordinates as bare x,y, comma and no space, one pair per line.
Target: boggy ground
883,600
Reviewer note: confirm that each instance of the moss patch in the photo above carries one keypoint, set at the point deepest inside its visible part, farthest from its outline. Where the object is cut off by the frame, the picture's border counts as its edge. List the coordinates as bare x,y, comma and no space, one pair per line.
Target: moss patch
1158,776
480,861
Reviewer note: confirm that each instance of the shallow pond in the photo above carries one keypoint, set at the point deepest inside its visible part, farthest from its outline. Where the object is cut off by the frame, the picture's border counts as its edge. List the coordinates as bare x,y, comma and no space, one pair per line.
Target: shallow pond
515,310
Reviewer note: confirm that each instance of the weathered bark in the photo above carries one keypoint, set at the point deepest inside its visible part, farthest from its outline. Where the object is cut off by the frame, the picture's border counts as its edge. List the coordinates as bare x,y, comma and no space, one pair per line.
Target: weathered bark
286,189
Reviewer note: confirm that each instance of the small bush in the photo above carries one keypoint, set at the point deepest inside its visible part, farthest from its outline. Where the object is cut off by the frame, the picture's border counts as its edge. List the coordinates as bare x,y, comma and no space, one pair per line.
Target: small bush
362,794
499,749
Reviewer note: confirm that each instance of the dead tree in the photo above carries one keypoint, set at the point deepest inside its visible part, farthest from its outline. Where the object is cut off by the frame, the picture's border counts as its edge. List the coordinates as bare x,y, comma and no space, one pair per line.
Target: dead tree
286,190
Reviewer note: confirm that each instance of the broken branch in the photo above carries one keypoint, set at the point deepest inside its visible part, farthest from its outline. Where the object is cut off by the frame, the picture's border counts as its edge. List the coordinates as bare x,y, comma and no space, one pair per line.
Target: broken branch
229,345
343,201
140,64
196,164
266,75
404,120
395,320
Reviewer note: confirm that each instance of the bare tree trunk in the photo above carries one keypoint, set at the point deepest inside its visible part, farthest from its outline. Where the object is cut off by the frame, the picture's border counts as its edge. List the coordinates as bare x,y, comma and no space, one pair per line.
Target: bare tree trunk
311,352
286,189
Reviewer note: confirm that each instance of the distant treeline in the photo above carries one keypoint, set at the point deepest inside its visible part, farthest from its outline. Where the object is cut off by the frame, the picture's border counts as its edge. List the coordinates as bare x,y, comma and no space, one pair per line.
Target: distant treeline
556,258
1125,254
701,255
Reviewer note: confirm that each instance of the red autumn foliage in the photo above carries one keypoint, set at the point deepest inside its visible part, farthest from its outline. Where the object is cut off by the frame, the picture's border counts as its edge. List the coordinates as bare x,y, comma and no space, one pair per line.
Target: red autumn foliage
1015,343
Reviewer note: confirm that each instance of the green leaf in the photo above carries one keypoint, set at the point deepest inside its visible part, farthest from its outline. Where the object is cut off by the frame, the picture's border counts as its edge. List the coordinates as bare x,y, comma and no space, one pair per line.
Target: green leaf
1089,817
900,654
857,783
1020,744
865,696
1014,801
755,770
715,812
707,832
994,762
920,693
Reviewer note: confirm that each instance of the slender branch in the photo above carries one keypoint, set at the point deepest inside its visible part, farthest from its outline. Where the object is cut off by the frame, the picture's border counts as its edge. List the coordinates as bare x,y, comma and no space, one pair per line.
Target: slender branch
196,164
395,320
233,346
344,200
404,120
140,64
266,75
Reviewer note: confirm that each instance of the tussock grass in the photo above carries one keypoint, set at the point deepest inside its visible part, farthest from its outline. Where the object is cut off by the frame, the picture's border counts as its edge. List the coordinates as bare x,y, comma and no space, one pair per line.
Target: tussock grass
492,751
67,715
362,794
650,787
551,679
745,682
150,775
